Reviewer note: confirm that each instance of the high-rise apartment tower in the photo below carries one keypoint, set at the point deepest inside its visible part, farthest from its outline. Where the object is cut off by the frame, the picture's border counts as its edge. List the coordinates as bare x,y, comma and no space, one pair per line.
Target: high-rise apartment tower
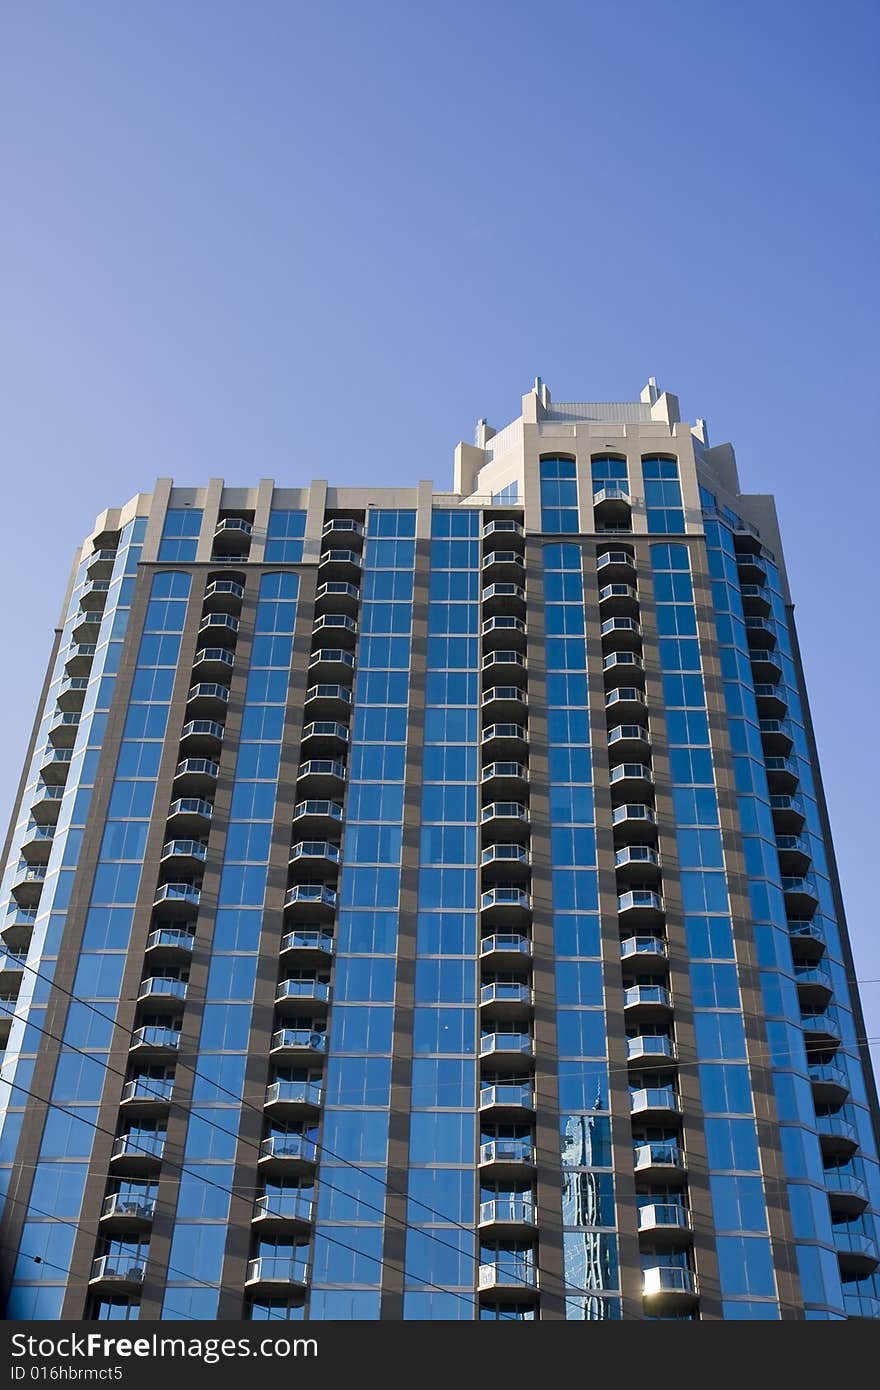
422,905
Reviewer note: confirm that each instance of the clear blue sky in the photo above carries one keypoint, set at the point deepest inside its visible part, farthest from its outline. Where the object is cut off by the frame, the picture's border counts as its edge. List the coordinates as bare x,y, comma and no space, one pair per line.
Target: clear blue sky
297,240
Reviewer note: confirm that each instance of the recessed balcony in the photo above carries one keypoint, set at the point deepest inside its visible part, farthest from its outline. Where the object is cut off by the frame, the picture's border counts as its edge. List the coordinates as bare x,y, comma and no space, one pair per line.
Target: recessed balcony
232,536
645,952
507,566
621,664
117,1273
327,699
507,1049
220,628
508,1279
504,598
155,1040
336,628
321,777
207,697
100,564
507,905
766,665
304,944
668,1286
162,992
801,895
178,899
506,777
505,999
504,861
634,822
665,1223
55,765
211,662
307,899
505,740
650,1050
507,1217
630,779
170,943
789,816
298,1044
294,1097
318,815
329,663
37,843
127,1211
337,595
294,995
755,600
856,1251
505,703
505,950
503,1102
344,529
503,632
626,702
283,1211
137,1153
147,1094
830,1083
847,1192
72,692
612,506
814,985
647,1002
276,1273
617,565
506,1158
777,736
339,563
661,1160
837,1137
288,1153
638,863
224,594
657,1104
629,741
623,632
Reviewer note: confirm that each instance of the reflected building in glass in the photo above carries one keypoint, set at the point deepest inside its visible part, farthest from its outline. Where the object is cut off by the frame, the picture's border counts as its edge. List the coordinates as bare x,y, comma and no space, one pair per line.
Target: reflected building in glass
422,905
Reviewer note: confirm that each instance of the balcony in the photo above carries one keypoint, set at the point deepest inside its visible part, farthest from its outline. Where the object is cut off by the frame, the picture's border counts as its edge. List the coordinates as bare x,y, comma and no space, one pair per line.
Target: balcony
303,1044
647,951
506,1158
629,740
294,1097
337,595
503,630
760,632
303,944
507,1102
777,736
232,536
86,625
186,855
46,804
858,1305
100,564
170,943
343,528
669,1287
507,905
661,1160
137,1153
640,905
782,774
634,822
336,627
646,1002
507,1048
504,530
155,1040
506,665
630,779
505,949
501,599
224,594
788,813
620,599
55,764
794,855
93,594
147,1093
837,1137
508,1278
12,965
221,628
506,566
298,992
274,1273
507,1217
207,697
328,699
306,899
282,1211
856,1251
650,1050
504,861
162,991
505,702
127,1211
626,702
504,818
830,1083
321,776
807,938
288,1153
17,927
189,813
117,1273
821,1031
623,664
196,774
766,665
78,661
814,985
771,701
63,731
325,736
27,884
665,1222
505,778
505,740
178,899
320,854
506,999
621,632
37,843
639,863
612,507
616,566
755,600
340,564
801,896
318,815
654,1104
201,736
213,662
847,1192
71,693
